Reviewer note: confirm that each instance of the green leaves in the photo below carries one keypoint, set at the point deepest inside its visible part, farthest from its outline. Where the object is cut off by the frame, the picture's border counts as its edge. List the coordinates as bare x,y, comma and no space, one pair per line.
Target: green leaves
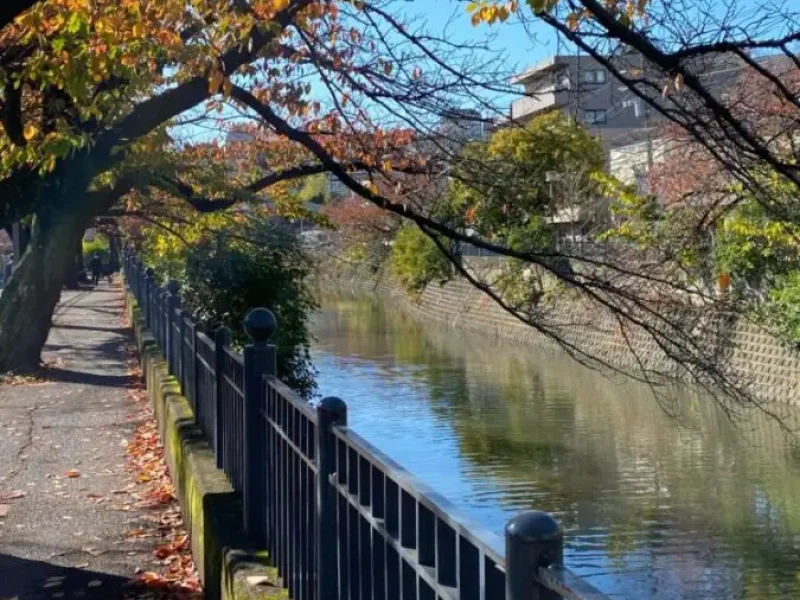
502,187
416,260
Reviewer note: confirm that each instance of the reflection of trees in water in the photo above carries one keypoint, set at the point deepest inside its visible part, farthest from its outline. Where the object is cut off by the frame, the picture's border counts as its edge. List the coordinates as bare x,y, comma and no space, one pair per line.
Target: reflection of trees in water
599,453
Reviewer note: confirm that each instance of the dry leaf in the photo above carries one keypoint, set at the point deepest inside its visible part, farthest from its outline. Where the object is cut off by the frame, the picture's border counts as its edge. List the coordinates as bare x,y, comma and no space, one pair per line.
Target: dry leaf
73,473
12,495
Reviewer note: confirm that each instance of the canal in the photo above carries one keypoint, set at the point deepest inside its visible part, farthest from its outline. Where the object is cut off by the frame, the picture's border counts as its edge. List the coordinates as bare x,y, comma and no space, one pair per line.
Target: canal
652,507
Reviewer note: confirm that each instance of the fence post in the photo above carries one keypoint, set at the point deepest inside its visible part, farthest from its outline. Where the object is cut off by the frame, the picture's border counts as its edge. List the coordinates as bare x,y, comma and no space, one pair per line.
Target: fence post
148,285
197,329
259,361
182,357
162,323
222,338
141,285
533,539
331,412
173,303
158,315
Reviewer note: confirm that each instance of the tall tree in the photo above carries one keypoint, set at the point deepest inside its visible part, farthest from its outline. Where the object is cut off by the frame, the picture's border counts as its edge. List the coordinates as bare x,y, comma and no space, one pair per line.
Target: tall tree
87,86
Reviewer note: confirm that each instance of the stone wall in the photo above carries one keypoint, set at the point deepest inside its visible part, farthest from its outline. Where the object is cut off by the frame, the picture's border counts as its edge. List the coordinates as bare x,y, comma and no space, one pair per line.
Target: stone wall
770,369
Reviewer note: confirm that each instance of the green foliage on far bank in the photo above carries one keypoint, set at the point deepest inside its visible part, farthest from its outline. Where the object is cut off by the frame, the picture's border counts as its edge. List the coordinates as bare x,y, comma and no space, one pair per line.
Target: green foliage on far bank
416,260
507,187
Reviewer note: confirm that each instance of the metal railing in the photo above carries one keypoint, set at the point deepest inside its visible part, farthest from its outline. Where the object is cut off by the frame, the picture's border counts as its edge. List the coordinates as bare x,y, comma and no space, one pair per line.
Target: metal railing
340,519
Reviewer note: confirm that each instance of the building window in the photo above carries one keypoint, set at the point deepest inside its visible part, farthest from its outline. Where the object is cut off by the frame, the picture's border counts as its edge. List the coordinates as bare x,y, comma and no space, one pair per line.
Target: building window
596,117
593,76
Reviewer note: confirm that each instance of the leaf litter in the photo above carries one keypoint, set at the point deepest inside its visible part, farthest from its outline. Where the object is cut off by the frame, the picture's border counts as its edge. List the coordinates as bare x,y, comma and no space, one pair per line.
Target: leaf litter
153,490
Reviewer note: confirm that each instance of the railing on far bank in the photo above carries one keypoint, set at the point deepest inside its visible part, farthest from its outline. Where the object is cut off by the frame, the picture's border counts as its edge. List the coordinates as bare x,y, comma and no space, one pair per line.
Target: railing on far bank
341,520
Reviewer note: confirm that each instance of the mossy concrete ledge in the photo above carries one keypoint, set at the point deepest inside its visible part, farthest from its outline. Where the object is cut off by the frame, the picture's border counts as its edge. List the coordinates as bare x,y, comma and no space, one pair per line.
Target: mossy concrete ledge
230,566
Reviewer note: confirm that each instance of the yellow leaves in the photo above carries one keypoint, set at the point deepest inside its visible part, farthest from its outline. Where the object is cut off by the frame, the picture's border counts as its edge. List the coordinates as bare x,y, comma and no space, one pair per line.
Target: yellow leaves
492,11
30,132
486,11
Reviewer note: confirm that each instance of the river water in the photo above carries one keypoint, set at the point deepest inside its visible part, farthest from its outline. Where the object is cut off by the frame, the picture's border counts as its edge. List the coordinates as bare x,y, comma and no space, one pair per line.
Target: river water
652,507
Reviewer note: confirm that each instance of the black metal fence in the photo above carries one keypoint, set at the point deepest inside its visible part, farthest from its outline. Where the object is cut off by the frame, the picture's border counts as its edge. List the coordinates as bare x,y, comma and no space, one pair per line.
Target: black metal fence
341,520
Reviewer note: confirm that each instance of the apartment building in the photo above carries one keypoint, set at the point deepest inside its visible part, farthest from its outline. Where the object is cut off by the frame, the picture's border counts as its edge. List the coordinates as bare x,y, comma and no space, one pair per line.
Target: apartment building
583,88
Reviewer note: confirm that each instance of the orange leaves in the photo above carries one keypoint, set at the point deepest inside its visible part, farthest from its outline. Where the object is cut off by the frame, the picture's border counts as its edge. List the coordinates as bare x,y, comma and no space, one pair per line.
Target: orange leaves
178,578
215,81
72,474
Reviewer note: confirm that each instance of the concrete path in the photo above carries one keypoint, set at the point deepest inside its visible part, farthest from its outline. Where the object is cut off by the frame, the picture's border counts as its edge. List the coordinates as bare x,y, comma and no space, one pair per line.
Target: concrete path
64,508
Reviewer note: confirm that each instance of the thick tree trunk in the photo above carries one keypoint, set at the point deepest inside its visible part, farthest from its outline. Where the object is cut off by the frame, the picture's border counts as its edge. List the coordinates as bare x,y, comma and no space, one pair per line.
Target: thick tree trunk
29,300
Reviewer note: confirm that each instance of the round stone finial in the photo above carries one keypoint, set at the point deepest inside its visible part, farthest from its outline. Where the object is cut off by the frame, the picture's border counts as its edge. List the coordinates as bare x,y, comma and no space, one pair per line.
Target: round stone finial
260,324
534,526
332,410
173,287
150,271
333,405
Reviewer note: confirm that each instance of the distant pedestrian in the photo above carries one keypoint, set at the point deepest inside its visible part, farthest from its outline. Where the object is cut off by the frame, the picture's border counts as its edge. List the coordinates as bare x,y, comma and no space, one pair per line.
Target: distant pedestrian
96,267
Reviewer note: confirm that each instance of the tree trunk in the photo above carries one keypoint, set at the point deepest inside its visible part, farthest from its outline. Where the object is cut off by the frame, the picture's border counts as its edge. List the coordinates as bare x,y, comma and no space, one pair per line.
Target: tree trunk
29,300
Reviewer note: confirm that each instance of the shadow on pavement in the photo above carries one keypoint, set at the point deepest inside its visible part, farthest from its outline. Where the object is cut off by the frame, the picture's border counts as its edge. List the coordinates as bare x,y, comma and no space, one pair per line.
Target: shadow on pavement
118,330
39,580
68,376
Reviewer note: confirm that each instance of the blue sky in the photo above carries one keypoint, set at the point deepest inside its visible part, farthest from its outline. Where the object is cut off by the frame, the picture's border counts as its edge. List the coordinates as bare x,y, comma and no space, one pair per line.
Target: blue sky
514,46
511,38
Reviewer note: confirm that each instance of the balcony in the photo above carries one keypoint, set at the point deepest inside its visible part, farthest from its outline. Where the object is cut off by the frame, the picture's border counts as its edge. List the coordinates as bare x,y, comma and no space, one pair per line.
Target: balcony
529,105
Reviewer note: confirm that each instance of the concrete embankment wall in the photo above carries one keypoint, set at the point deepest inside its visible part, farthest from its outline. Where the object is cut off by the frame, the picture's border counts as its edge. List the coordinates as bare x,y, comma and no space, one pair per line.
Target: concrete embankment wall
770,368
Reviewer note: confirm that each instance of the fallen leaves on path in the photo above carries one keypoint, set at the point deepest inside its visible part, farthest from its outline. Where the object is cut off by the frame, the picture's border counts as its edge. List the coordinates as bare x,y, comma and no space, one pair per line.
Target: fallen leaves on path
154,491
41,375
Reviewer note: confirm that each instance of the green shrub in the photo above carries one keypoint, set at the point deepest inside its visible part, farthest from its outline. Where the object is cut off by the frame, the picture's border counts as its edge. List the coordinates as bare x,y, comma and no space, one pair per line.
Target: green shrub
222,280
781,311
416,260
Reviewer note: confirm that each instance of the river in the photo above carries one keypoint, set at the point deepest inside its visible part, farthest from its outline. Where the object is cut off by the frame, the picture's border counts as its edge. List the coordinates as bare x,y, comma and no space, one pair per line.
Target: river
652,506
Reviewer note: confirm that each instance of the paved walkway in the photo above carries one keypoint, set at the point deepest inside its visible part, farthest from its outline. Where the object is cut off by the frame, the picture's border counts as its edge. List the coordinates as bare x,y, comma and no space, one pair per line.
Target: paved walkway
64,508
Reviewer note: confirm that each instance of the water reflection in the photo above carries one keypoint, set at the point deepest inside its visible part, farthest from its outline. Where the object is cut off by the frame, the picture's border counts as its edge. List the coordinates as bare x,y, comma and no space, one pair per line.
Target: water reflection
651,509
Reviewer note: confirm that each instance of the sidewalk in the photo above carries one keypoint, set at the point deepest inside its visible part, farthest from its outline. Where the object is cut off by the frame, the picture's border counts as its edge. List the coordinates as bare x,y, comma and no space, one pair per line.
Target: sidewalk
66,508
